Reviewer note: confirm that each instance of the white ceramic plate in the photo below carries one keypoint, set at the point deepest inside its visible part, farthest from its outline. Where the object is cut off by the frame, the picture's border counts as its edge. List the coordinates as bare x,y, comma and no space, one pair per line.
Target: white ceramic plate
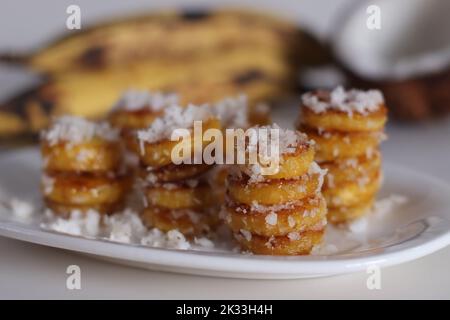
415,229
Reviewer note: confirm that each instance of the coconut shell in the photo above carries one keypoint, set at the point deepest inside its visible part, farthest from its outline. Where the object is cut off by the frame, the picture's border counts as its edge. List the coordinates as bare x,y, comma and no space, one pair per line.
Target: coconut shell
415,99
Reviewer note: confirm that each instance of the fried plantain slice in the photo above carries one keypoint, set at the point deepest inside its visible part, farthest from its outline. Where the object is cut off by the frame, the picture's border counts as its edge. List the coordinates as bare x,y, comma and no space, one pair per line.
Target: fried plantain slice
294,243
95,155
334,120
331,145
65,210
84,189
278,220
159,154
173,172
344,110
291,165
351,193
190,194
272,192
187,221
342,214
127,120
351,169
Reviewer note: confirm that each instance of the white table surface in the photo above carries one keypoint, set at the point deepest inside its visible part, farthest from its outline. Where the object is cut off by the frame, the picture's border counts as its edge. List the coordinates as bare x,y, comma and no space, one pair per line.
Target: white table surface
32,271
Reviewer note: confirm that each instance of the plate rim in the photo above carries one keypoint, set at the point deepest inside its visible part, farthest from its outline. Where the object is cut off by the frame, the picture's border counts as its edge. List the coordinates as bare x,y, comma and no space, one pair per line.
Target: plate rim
172,257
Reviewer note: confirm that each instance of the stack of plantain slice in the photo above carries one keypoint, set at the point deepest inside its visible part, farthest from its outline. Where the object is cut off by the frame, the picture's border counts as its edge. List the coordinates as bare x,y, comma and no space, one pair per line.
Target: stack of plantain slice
177,195
203,56
282,213
348,127
83,167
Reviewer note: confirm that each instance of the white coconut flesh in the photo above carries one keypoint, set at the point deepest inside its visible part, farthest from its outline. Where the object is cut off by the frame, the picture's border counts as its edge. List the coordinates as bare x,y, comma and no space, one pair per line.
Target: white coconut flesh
414,39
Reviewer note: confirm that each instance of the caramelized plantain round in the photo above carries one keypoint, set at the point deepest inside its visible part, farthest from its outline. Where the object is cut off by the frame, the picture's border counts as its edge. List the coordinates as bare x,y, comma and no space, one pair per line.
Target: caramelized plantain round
217,181
127,120
84,189
351,193
159,154
351,169
65,210
173,172
344,214
293,244
292,165
272,192
95,155
307,214
180,195
338,145
332,120
188,222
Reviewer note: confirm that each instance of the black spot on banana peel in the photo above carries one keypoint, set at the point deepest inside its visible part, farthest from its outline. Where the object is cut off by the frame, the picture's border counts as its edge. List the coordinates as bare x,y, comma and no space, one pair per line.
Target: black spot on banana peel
14,58
27,113
93,57
194,15
248,76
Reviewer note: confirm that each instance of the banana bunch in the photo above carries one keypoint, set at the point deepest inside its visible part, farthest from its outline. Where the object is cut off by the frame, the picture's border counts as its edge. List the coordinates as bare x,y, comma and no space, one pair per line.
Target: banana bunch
203,56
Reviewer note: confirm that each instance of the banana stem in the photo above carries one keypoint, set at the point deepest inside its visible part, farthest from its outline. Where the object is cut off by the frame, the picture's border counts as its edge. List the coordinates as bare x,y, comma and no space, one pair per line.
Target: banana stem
13,58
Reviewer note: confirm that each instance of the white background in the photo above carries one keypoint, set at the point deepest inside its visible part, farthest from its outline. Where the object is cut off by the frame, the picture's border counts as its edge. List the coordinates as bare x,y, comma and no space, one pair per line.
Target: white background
31,271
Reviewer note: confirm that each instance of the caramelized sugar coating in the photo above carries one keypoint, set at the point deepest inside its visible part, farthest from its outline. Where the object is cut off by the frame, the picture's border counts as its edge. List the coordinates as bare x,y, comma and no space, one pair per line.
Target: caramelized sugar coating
95,155
337,215
272,192
331,145
291,165
352,193
188,222
217,180
85,189
64,210
173,172
351,169
128,120
307,214
158,154
333,120
292,244
180,195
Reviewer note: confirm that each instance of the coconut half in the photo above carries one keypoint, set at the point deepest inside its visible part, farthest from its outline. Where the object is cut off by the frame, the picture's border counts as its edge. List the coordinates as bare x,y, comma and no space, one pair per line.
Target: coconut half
407,55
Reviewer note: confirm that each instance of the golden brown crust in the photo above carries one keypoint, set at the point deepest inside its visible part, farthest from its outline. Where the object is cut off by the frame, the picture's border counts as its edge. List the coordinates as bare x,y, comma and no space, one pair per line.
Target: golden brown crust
133,119
309,214
352,193
339,145
159,154
173,172
188,222
342,214
351,169
85,189
281,245
332,120
179,195
64,210
272,192
91,156
292,165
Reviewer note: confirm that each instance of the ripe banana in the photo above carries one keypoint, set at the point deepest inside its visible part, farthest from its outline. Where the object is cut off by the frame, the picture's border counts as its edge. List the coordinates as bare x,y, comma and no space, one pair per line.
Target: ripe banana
201,55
